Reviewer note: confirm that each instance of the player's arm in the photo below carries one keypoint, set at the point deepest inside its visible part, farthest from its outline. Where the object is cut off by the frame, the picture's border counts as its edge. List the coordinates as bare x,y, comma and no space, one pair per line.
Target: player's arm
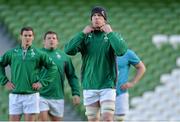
4,61
3,78
74,45
140,70
117,42
47,63
73,81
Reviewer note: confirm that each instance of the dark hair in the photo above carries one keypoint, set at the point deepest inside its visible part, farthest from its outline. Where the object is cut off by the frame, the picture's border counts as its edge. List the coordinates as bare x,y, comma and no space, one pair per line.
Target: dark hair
50,32
26,29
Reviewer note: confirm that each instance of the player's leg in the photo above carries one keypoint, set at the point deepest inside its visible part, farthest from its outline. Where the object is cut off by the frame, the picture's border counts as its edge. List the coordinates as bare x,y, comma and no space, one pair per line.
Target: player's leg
91,103
93,112
55,118
43,116
107,104
56,111
31,107
44,109
121,107
119,118
15,107
31,117
14,117
107,110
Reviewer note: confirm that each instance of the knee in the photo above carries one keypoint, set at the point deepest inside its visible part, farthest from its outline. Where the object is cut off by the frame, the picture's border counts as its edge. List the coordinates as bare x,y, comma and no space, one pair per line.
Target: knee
119,118
92,113
107,110
43,116
107,117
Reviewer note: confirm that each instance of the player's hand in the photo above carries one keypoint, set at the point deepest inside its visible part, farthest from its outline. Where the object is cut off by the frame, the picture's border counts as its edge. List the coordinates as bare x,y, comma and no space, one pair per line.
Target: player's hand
36,86
106,28
127,85
76,100
9,85
88,29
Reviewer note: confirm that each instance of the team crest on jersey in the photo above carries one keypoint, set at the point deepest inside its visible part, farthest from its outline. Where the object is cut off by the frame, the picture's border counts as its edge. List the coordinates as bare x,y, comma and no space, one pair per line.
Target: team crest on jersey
32,53
58,55
90,35
105,38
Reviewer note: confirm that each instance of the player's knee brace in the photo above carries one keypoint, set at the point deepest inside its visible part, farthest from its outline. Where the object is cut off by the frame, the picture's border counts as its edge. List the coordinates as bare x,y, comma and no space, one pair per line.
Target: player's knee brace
119,118
108,107
92,112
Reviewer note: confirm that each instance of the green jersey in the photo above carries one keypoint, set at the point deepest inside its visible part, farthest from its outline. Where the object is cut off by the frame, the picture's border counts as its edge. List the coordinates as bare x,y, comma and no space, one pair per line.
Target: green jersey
55,90
25,67
98,51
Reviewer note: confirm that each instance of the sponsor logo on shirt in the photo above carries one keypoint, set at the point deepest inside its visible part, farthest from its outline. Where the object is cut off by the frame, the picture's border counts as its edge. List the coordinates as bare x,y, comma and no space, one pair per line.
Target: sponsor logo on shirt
15,50
90,35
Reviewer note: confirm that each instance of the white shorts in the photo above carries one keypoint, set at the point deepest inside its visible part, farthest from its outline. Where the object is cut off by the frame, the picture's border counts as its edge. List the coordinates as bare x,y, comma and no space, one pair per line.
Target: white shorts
23,103
92,96
55,107
122,104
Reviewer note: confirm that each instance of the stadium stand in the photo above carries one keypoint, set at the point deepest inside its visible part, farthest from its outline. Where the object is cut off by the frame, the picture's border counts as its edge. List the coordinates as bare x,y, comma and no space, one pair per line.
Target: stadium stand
160,105
159,40
174,40
137,21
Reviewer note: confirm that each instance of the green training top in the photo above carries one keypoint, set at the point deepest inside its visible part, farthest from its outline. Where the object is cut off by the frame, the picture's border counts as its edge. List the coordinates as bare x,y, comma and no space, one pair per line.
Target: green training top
55,90
98,51
25,67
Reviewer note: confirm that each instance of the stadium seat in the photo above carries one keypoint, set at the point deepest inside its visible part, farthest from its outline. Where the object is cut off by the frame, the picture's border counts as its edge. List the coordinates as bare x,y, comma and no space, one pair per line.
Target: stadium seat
159,40
174,40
